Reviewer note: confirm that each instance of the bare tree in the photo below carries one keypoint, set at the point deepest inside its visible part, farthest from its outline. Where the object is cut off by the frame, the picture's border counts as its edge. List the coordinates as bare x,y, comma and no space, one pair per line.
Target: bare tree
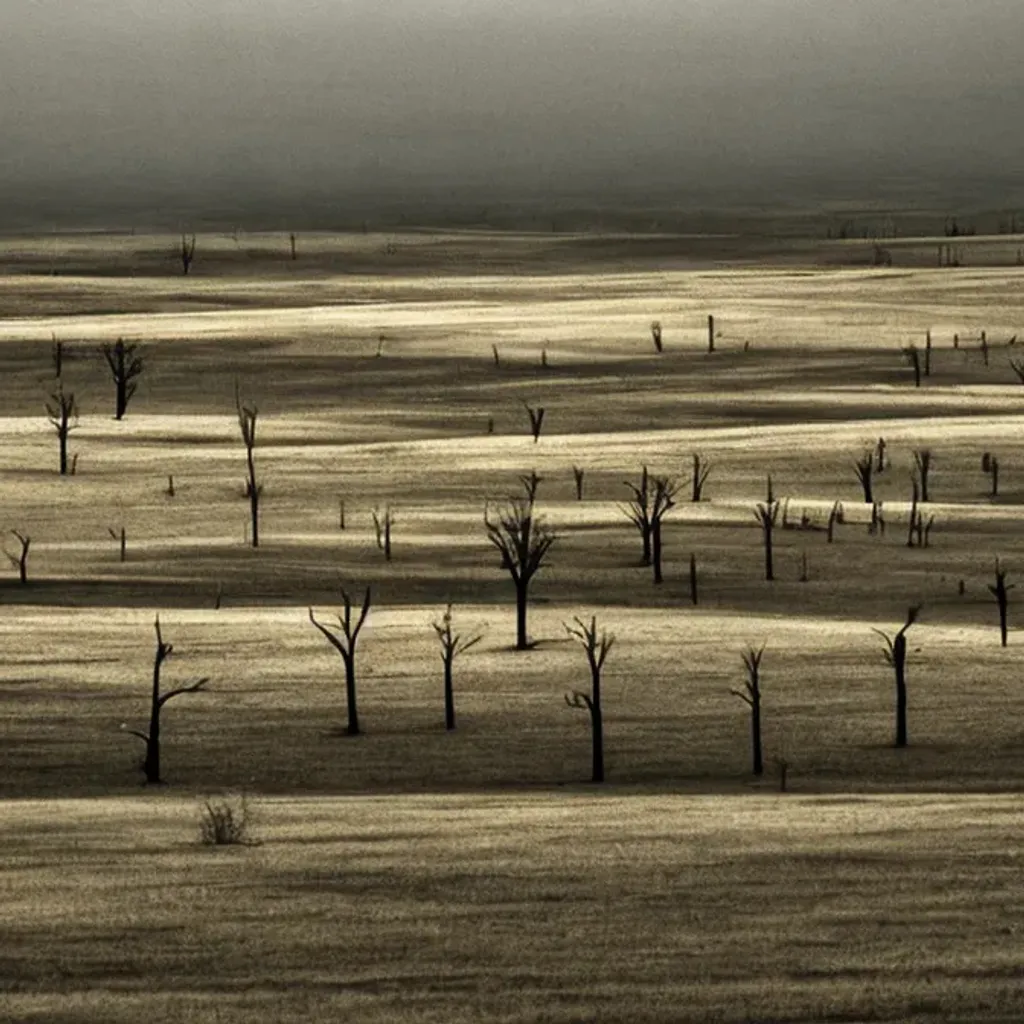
880,447
122,538
523,541
187,253
767,514
693,578
577,474
125,366
452,645
20,560
751,695
913,358
496,355
63,415
896,655
1001,592
990,465
923,465
835,516
247,419
596,649
928,353
292,240
665,489
701,470
57,357
638,512
151,763
656,336
711,333
342,637
382,524
865,467
536,420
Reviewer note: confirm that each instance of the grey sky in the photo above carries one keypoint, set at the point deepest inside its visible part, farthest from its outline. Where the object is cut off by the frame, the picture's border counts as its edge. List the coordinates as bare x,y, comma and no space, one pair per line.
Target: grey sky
281,97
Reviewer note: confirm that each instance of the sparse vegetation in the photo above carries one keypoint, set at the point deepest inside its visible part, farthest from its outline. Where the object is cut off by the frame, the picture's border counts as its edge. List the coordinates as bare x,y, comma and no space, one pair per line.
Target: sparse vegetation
125,368
62,412
896,655
342,636
452,645
596,648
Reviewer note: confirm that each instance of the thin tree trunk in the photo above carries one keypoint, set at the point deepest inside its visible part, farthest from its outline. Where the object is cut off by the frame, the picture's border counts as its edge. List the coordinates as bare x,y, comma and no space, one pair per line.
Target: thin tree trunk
521,641
755,729
350,694
769,572
656,549
1002,620
449,696
597,729
901,704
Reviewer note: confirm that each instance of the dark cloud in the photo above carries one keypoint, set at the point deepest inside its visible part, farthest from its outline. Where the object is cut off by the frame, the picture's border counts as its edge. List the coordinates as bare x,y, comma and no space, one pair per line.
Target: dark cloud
139,97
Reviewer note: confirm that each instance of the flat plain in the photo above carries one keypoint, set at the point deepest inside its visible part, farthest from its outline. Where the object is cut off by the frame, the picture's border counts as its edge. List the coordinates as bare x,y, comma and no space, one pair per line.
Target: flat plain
414,874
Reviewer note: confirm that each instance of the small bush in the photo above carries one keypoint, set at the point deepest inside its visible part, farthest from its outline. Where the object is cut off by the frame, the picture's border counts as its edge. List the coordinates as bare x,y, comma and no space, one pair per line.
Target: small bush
226,822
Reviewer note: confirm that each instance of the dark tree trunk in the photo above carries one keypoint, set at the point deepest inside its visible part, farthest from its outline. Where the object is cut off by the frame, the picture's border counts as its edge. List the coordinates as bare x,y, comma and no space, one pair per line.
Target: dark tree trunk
597,728
521,642
645,536
769,571
151,766
900,665
449,696
693,578
1002,617
254,501
656,549
350,695
121,396
755,735
63,438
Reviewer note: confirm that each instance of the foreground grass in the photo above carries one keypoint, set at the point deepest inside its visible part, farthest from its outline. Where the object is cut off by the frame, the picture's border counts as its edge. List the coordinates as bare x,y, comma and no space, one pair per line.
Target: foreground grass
570,907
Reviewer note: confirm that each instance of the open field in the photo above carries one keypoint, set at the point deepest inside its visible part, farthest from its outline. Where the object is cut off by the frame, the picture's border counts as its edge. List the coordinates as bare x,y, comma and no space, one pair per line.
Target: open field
470,875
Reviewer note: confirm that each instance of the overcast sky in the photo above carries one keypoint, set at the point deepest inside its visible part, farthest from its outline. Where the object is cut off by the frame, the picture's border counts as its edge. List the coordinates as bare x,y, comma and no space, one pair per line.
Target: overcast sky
287,96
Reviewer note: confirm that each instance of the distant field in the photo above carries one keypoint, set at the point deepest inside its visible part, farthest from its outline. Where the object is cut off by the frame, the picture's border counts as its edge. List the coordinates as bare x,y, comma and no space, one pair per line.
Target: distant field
442,870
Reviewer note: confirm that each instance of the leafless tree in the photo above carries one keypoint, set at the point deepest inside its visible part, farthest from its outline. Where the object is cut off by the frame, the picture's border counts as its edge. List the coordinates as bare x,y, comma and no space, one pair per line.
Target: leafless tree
170,485
638,511
913,358
835,515
928,353
577,474
57,356
923,466
865,467
151,763
531,481
751,695
711,333
596,649
125,366
382,523
701,470
497,356
292,240
990,465
656,336
452,645
896,655
1001,592
880,447
523,541
20,560
342,637
341,513
188,253
693,578
121,537
63,415
767,514
663,500
247,419
536,420
983,345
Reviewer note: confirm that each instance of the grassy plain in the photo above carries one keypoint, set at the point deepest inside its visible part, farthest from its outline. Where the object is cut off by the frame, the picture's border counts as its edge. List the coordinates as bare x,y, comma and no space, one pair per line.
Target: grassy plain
410,874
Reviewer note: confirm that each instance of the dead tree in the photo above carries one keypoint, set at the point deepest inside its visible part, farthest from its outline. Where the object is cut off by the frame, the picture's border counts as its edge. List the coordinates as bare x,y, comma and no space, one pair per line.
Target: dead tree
896,655
1001,592
663,500
452,645
767,513
596,648
188,253
382,524
914,494
768,491
877,521
531,481
247,419
751,695
63,415
990,465
536,420
341,513
496,355
693,578
170,485
880,447
57,356
835,515
865,467
711,333
342,637
928,353
913,358
577,475
292,239
523,541
151,762
656,336
923,465
20,560
638,511
701,470
983,345
125,366
121,537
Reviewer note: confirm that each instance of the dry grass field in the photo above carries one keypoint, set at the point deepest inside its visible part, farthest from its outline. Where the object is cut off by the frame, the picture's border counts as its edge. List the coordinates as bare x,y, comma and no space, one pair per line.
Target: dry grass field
410,874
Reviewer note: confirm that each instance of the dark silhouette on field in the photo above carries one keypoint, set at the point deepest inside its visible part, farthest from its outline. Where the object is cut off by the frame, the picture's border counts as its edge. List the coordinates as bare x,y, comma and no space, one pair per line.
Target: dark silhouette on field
751,695
596,649
125,366
452,645
896,655
62,412
344,642
1001,592
247,419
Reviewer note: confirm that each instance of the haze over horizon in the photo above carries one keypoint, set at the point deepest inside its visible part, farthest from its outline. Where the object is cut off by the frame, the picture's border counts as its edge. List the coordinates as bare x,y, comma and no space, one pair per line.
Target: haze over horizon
263,105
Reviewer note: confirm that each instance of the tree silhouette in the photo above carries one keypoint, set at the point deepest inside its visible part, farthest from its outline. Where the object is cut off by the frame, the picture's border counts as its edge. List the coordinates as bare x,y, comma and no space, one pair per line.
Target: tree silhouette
342,637
596,649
